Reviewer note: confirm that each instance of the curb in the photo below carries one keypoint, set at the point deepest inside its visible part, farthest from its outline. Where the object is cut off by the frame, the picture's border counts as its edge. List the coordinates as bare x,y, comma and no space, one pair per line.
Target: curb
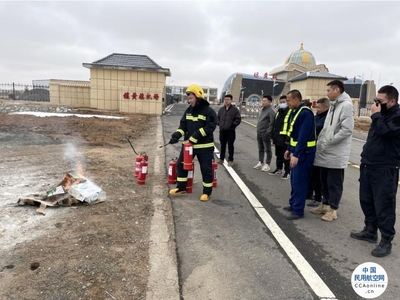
163,282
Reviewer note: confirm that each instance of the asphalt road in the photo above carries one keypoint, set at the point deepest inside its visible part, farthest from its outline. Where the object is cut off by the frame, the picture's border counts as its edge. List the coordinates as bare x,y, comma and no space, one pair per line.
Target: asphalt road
227,251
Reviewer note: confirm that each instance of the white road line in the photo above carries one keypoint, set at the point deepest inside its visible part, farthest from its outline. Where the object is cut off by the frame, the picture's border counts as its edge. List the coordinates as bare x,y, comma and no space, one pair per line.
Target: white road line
311,277
360,140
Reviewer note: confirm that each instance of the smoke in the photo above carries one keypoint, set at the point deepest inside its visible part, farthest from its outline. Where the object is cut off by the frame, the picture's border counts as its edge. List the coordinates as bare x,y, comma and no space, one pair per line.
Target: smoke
74,159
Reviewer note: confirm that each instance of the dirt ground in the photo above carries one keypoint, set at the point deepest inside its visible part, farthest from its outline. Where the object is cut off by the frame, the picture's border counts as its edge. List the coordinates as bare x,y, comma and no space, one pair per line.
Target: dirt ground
84,252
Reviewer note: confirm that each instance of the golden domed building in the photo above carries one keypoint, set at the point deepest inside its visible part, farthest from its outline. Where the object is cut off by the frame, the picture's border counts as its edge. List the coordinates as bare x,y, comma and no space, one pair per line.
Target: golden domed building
297,63
300,71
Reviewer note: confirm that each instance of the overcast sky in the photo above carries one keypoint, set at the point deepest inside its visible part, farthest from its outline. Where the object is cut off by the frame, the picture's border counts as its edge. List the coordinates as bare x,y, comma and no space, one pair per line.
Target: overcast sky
201,42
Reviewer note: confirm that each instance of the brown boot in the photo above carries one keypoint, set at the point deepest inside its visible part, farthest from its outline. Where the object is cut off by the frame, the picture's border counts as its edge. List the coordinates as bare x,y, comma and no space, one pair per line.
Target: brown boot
330,215
321,209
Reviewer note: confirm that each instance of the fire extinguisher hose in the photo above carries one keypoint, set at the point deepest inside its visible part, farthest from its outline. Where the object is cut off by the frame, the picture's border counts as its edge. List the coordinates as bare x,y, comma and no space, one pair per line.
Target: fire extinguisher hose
131,145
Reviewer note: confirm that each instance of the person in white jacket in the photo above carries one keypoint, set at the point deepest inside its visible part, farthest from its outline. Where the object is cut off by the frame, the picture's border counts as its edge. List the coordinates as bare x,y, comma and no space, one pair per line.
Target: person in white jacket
333,149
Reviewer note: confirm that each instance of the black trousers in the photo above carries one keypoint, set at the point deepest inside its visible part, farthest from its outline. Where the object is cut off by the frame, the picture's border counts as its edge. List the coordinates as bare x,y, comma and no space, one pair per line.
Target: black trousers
227,137
332,186
205,158
280,161
315,184
378,188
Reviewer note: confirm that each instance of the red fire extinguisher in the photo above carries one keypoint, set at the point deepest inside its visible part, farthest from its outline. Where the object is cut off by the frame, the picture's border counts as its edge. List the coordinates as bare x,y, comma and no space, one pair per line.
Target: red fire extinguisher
214,172
143,172
189,183
172,171
145,156
142,156
188,156
139,159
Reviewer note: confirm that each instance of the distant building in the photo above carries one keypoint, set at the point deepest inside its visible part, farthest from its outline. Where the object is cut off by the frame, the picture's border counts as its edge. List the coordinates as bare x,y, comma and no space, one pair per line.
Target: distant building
176,93
129,83
42,83
299,71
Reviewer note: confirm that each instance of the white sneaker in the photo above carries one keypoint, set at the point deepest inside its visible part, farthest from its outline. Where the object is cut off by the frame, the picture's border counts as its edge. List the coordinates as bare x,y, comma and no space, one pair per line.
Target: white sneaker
258,166
265,168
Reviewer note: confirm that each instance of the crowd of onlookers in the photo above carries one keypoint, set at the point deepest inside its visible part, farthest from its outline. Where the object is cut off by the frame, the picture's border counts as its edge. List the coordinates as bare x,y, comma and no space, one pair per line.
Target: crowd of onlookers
311,150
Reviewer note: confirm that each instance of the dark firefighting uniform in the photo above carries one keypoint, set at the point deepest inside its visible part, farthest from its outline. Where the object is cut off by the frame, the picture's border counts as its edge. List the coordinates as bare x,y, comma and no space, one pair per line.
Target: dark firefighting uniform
197,126
302,145
379,171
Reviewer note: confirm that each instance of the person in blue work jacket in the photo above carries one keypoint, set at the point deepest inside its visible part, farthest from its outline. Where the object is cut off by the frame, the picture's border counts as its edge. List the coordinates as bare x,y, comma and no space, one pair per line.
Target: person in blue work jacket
301,152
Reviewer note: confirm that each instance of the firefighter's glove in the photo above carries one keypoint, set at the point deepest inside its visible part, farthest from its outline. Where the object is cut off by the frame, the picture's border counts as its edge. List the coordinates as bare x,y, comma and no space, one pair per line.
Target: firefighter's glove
173,140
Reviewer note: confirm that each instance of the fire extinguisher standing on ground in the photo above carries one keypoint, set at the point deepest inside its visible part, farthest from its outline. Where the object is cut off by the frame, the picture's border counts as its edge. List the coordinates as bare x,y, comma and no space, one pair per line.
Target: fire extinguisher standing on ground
143,172
188,156
214,172
190,178
172,171
139,158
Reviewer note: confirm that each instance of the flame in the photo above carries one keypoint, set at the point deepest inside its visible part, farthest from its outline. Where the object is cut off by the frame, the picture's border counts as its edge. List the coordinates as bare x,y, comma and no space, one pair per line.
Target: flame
67,185
79,169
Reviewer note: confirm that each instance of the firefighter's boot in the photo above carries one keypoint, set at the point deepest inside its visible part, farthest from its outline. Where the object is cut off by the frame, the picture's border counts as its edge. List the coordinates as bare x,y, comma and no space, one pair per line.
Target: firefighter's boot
205,197
176,191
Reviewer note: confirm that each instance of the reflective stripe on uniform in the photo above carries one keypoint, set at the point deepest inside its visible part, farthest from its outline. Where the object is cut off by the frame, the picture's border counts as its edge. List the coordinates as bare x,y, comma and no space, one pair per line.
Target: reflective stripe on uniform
181,132
202,131
181,179
195,119
207,184
285,123
201,146
309,144
293,143
192,139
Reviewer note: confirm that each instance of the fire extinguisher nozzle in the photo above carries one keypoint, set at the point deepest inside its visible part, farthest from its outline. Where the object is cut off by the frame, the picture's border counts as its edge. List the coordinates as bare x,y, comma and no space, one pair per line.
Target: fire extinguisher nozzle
165,145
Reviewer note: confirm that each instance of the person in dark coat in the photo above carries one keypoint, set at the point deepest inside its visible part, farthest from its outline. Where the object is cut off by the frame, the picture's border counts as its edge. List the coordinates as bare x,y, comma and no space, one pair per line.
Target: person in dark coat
314,180
228,119
379,172
280,138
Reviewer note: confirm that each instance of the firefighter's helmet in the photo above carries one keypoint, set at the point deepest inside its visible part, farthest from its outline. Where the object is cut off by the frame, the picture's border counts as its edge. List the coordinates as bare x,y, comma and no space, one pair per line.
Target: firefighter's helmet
196,90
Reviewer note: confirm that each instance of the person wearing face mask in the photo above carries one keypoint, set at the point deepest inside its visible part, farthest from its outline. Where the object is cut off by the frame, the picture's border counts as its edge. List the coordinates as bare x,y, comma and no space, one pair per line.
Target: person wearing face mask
333,149
280,138
379,172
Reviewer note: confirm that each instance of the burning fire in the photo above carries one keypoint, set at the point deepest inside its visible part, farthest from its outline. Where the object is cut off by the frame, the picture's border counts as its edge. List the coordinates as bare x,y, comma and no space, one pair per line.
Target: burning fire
79,169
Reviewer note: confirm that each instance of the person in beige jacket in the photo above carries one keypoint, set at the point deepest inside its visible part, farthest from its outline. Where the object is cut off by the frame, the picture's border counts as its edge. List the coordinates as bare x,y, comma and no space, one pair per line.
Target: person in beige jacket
333,149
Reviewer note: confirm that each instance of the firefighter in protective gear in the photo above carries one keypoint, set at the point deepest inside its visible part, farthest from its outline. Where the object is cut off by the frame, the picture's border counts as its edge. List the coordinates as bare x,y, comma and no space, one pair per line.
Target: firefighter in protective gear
197,126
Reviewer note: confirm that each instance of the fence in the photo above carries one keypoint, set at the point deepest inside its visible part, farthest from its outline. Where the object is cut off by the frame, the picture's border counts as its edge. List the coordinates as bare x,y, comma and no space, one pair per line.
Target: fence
250,109
28,92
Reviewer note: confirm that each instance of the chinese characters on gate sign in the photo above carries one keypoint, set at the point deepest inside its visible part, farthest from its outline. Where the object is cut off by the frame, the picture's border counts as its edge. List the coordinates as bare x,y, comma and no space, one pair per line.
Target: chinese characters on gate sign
141,96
